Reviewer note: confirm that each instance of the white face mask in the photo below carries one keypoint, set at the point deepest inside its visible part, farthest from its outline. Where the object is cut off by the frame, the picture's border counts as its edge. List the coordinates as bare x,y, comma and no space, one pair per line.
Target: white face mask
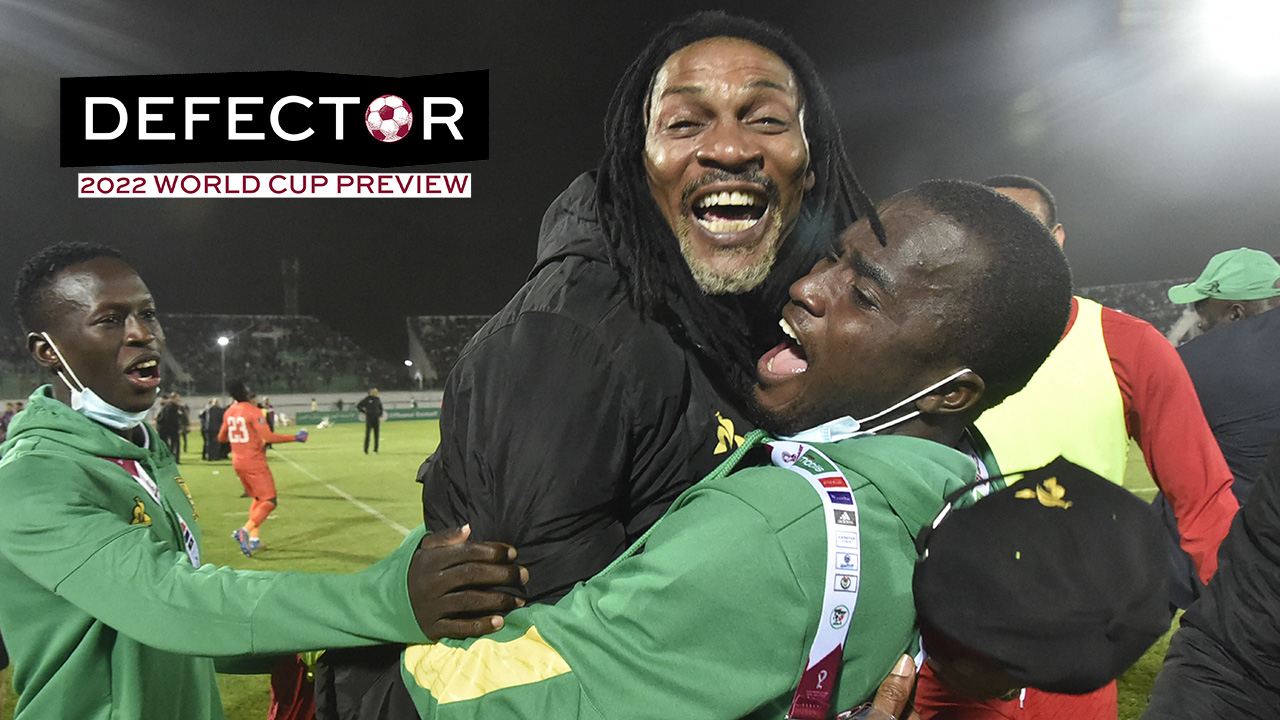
847,427
87,402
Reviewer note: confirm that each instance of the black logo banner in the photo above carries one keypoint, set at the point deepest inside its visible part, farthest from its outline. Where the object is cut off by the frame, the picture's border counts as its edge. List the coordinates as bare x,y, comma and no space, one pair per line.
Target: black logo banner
316,117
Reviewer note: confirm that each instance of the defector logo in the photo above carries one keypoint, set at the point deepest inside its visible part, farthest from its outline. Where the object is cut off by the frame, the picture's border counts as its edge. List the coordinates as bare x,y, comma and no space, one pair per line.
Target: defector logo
361,120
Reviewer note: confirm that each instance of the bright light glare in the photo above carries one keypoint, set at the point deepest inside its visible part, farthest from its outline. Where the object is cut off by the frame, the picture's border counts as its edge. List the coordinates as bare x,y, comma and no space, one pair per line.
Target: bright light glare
224,340
408,363
1241,35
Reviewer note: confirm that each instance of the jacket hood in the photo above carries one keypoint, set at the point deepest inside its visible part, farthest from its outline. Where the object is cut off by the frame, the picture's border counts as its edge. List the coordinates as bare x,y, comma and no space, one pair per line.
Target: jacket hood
45,418
571,226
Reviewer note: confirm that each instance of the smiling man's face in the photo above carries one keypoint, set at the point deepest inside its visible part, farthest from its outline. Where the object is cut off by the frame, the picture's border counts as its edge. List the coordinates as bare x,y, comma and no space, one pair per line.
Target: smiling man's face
868,324
727,159
103,320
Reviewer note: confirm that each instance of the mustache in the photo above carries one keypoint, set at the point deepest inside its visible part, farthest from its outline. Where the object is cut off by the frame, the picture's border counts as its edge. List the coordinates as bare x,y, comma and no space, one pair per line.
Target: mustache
755,177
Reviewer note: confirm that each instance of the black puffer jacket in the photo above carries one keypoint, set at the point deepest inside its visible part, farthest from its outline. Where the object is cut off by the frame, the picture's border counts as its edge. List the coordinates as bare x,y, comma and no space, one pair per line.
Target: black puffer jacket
570,422
1224,662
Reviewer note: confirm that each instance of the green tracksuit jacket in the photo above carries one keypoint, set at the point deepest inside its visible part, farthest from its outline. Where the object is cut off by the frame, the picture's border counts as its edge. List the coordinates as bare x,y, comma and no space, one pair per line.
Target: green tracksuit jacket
101,609
714,616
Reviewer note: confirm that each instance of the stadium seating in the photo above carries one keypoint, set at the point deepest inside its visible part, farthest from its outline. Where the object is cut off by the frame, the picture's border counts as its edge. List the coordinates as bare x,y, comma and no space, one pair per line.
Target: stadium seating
1147,300
275,353
299,354
436,341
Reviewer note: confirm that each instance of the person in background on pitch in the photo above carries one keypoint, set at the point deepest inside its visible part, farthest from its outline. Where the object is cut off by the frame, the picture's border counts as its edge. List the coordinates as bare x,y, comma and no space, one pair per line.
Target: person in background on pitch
210,424
204,429
1235,367
245,428
1235,363
371,406
107,609
169,425
184,419
268,414
1112,377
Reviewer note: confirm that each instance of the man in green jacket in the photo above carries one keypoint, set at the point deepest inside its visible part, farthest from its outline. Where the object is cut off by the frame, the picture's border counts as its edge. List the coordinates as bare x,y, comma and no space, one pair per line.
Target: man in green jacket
106,608
737,603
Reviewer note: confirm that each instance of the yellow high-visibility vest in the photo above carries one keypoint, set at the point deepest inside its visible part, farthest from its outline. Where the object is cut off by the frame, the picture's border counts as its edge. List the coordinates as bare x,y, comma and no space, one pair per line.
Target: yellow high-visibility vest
1072,407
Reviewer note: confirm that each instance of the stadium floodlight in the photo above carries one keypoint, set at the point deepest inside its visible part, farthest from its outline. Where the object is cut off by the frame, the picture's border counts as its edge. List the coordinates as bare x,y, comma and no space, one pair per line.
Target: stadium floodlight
1240,35
222,345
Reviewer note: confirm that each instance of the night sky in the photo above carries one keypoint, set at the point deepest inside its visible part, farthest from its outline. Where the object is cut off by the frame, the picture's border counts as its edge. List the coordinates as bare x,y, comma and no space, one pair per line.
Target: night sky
1158,156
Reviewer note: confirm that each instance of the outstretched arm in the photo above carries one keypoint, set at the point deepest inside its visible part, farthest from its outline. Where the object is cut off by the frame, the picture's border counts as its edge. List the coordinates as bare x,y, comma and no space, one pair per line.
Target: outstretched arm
124,575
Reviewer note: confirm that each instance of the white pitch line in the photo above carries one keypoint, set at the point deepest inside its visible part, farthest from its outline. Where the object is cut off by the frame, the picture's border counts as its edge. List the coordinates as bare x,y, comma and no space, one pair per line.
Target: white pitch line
345,496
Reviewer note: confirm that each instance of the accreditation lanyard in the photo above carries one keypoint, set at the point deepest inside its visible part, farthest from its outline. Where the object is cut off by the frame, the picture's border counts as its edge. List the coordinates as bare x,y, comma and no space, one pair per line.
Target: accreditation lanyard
813,696
140,476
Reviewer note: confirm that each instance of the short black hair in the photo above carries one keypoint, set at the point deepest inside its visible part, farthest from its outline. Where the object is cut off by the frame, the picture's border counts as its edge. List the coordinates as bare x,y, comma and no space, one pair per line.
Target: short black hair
1028,183
239,390
37,275
1008,320
643,248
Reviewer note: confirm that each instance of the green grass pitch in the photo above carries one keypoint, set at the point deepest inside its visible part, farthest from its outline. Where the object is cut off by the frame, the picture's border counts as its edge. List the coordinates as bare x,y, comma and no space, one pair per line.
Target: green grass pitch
317,529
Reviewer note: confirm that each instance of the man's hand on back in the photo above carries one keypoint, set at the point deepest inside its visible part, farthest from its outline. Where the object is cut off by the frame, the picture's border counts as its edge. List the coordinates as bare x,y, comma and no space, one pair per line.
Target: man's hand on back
448,581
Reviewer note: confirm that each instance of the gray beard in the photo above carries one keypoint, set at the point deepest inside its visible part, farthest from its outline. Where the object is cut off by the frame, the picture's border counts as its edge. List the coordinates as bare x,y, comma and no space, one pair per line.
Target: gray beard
717,282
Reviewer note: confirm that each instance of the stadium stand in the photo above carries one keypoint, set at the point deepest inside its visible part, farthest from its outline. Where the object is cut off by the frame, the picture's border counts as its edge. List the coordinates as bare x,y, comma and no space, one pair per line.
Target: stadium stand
1148,300
276,353
18,375
299,354
436,341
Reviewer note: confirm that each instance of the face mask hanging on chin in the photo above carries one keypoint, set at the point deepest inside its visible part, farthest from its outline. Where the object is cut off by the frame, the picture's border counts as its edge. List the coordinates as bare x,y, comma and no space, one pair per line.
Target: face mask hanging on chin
86,402
846,427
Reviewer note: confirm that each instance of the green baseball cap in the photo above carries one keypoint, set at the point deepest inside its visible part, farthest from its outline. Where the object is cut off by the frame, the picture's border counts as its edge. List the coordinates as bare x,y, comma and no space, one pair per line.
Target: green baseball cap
1240,274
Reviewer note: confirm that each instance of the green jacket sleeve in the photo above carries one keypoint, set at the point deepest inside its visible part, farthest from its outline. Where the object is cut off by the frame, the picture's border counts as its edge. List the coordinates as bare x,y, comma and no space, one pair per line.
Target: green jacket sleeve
59,534
708,621
713,618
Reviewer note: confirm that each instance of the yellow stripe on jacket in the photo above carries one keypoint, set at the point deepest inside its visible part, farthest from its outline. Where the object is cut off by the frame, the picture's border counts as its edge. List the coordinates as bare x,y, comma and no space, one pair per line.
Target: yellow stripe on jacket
454,674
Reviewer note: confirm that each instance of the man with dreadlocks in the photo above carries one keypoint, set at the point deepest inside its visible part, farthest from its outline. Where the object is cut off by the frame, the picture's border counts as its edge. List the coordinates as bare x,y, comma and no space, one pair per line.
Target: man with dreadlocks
612,380
616,377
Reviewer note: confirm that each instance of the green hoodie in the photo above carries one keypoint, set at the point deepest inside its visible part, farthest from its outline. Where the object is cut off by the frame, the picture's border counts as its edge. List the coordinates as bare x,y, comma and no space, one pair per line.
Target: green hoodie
714,616
102,610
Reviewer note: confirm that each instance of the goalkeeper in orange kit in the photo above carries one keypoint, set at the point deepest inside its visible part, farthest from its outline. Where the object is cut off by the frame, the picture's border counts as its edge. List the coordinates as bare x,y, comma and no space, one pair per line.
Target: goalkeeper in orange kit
246,429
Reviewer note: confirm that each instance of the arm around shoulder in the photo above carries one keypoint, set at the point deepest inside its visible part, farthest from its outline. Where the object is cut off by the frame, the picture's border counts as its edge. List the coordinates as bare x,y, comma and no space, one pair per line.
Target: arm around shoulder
689,627
67,538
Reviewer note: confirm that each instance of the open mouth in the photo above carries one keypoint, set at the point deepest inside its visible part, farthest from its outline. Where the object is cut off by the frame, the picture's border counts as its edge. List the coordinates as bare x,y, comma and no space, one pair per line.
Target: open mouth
788,358
145,373
730,211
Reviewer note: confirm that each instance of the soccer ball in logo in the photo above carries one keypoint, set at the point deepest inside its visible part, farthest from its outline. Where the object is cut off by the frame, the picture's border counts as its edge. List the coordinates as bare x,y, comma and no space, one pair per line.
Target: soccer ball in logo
839,616
388,118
